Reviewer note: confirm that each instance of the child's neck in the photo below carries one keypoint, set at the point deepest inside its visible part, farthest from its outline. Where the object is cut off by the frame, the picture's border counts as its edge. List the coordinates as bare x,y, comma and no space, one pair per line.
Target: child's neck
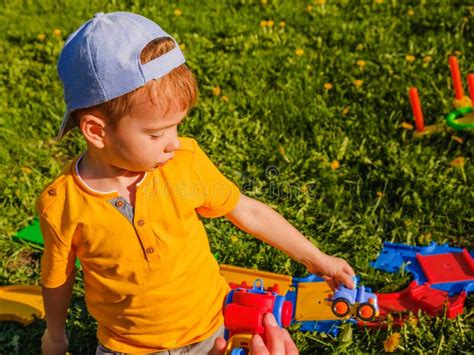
104,177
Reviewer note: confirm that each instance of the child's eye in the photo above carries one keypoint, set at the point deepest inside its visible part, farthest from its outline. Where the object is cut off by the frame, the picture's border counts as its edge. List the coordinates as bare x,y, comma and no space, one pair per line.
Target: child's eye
153,136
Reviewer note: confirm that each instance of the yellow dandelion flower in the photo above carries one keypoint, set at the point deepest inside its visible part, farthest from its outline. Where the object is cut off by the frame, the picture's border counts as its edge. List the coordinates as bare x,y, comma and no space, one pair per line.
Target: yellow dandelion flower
225,99
234,238
379,1
299,52
391,343
309,8
182,46
328,86
263,2
270,23
216,91
335,165
379,194
282,24
361,63
263,23
411,319
320,2
411,12
427,59
457,139
41,36
458,162
407,126
358,83
178,12
345,111
410,58
57,32
26,169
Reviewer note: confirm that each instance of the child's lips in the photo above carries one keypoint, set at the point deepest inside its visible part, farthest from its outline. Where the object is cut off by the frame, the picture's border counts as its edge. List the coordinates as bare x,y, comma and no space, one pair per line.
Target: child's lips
163,163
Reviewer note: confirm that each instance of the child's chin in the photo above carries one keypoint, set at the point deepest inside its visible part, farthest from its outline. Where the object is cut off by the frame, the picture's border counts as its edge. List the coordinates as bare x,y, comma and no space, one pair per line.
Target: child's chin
161,164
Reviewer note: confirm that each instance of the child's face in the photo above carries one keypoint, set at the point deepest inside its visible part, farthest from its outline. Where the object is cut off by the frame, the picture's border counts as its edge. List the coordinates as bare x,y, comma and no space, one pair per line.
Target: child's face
144,138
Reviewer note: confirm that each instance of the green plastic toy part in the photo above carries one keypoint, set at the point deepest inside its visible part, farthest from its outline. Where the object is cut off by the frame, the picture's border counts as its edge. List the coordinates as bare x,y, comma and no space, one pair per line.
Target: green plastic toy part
31,233
458,121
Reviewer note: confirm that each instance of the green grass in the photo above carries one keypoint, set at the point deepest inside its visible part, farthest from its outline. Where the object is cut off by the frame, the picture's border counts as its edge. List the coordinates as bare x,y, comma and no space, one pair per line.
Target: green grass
275,137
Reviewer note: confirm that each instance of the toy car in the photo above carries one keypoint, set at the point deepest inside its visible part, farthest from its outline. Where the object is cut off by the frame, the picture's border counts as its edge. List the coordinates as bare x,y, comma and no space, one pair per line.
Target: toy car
346,301
243,315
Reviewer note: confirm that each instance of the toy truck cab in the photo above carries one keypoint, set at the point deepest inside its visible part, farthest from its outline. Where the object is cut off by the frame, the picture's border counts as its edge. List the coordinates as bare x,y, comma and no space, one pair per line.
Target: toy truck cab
346,301
243,315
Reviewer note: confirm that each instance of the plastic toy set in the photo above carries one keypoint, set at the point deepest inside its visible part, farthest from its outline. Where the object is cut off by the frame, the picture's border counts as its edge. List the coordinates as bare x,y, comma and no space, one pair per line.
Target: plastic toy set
442,278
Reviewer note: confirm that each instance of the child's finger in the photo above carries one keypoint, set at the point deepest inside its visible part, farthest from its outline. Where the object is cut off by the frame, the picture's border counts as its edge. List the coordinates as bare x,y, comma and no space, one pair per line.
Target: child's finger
219,347
273,335
347,280
290,346
257,346
349,270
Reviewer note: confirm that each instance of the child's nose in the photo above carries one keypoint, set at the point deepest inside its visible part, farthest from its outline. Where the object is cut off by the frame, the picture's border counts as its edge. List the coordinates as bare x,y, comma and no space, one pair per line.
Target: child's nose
173,145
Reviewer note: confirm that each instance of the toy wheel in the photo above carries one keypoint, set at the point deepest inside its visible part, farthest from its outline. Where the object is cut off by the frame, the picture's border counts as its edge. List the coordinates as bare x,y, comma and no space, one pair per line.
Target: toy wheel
341,307
238,351
366,311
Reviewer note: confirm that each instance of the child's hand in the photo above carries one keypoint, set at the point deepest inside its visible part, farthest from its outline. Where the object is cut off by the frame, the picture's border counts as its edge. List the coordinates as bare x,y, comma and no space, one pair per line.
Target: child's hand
50,346
278,341
333,270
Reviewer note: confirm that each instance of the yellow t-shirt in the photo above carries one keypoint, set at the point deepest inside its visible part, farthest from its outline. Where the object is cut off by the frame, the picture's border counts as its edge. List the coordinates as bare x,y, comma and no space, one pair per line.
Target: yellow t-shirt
150,279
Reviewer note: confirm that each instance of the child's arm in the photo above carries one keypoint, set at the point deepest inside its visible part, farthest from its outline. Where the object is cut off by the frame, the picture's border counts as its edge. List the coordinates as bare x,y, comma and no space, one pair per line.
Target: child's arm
267,225
56,302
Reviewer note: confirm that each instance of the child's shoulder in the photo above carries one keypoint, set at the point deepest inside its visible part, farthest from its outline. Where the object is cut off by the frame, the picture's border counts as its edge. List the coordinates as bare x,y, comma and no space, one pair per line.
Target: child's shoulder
187,144
186,152
55,189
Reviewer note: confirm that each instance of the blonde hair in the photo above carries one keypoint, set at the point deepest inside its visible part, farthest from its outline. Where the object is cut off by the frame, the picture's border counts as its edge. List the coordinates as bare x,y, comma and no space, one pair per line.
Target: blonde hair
177,90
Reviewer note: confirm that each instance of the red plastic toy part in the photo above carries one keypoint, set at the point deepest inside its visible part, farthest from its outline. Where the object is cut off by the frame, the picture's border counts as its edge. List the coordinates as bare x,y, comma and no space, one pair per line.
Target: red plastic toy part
456,76
286,314
444,268
243,319
470,84
421,297
416,108
244,310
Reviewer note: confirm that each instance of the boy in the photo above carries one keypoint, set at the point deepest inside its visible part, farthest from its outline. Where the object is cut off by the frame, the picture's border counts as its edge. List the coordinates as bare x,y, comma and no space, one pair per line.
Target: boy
128,207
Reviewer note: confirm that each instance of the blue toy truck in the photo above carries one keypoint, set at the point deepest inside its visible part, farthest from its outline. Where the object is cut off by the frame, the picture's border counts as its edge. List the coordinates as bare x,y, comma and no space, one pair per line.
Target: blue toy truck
346,301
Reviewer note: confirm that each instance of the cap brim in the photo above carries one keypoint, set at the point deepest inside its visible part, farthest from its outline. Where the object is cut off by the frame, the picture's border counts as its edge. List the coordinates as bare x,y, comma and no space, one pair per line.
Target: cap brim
66,125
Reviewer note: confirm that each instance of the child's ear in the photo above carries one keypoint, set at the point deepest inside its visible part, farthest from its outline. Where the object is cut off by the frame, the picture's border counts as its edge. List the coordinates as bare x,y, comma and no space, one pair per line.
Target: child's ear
93,129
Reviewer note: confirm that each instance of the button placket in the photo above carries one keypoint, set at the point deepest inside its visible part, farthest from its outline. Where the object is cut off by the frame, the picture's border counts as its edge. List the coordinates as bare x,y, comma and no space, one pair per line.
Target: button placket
146,242
141,224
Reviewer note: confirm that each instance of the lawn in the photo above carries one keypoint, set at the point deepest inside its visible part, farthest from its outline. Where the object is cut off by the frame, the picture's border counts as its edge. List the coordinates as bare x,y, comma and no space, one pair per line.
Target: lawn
302,105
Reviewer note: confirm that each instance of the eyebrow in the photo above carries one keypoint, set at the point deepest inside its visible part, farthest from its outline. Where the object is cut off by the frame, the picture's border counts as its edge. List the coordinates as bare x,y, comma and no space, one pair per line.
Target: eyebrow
161,128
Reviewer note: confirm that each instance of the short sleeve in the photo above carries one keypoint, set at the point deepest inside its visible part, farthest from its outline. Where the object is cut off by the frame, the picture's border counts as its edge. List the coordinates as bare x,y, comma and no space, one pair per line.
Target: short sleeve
220,195
58,259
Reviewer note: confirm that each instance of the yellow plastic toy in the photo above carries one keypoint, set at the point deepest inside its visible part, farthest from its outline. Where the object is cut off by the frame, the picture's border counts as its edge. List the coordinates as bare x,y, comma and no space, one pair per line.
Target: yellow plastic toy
21,304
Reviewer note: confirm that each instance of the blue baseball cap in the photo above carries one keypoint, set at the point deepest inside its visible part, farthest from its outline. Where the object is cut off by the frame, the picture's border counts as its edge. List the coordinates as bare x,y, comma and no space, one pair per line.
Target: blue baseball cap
100,61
